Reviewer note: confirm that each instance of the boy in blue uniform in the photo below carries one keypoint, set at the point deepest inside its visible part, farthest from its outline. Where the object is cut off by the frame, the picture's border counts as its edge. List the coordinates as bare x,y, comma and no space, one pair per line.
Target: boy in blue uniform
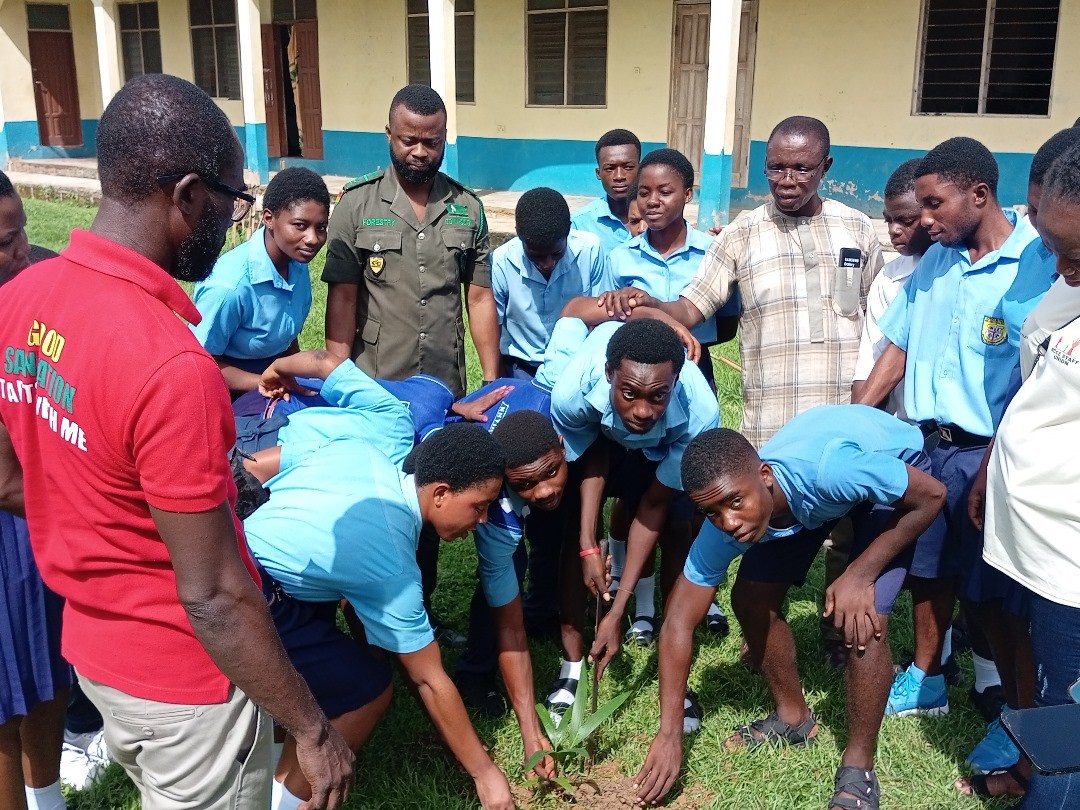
627,405
257,298
954,340
536,273
778,508
617,154
333,496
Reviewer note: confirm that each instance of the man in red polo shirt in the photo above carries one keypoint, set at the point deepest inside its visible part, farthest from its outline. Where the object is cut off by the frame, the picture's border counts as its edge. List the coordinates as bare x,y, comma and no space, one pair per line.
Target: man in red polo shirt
122,425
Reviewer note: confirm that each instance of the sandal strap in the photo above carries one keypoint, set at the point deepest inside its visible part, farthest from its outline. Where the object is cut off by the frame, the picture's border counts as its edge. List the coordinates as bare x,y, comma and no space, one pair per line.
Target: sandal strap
773,729
863,786
694,709
1018,777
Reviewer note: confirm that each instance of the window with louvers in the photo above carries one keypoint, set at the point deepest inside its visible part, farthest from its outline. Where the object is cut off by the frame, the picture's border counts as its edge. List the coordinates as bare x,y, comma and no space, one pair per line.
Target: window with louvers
988,57
215,47
566,53
419,43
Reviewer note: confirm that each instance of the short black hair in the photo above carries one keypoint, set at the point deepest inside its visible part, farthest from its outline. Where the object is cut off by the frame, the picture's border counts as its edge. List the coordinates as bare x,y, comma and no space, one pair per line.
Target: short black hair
902,181
6,188
803,126
673,158
965,162
461,455
542,216
617,137
419,99
647,341
525,436
295,185
1062,181
159,125
714,455
1056,145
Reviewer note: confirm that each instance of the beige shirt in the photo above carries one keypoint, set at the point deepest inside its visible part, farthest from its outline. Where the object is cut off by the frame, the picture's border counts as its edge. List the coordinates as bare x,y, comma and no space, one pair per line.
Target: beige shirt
802,311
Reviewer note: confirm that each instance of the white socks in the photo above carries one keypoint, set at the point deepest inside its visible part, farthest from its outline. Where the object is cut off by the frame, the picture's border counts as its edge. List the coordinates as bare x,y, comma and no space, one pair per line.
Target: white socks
714,610
617,550
281,799
46,798
986,674
691,723
946,647
570,670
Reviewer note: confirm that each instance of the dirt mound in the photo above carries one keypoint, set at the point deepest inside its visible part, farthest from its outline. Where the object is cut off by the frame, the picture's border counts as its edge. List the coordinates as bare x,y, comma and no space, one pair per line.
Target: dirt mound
605,787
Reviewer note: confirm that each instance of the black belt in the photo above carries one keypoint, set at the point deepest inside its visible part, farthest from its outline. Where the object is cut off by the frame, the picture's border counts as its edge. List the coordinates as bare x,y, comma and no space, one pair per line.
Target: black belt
935,432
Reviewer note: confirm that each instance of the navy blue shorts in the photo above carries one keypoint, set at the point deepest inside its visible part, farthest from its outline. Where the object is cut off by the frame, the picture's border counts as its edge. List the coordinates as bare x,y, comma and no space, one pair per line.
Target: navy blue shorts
629,476
342,673
788,559
952,546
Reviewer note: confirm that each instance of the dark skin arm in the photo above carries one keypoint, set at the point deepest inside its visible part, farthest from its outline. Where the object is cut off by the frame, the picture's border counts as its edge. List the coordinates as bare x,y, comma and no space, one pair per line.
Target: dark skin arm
443,704
620,304
588,309
850,599
341,322
516,666
888,371
641,540
229,616
484,328
11,477
595,466
238,380
279,379
977,499
686,607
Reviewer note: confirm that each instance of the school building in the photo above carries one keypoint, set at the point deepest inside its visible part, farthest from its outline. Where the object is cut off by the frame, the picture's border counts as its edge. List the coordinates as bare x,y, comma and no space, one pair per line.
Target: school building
534,82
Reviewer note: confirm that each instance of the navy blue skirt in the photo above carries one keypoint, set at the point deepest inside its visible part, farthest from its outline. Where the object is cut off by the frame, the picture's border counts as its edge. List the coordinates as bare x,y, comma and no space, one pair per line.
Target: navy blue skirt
31,667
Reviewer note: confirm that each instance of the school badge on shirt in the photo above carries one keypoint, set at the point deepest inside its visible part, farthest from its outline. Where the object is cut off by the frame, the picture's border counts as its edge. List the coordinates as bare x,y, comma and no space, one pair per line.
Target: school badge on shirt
376,264
994,331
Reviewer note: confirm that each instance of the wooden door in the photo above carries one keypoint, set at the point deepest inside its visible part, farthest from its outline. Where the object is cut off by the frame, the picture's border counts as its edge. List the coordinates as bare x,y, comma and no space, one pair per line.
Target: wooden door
744,94
56,88
273,79
690,78
309,103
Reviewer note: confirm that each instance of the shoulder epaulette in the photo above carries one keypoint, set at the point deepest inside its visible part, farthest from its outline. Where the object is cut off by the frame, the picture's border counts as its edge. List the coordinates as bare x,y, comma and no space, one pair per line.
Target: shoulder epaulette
359,181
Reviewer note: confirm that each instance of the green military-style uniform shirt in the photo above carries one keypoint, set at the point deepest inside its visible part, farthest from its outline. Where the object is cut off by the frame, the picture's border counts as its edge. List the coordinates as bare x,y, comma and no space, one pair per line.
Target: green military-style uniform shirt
409,274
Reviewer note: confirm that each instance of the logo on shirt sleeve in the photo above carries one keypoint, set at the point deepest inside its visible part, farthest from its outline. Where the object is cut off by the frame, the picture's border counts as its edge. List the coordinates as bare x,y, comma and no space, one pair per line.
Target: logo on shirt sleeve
994,331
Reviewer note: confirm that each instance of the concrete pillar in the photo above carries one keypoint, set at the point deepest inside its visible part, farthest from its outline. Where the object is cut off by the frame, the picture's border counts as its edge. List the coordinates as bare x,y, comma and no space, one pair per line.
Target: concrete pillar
4,156
249,17
108,49
715,204
444,72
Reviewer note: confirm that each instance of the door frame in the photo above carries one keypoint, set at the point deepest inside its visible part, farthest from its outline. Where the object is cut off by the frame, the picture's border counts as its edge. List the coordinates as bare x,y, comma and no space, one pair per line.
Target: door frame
274,78
44,137
672,97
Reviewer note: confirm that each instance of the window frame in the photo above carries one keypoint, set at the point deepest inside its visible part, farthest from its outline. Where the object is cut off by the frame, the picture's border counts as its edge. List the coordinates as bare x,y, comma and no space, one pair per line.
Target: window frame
411,15
140,31
214,27
984,69
598,5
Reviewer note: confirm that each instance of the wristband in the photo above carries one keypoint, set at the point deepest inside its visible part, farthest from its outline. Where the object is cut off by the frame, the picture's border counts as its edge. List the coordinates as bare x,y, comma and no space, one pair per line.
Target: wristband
588,551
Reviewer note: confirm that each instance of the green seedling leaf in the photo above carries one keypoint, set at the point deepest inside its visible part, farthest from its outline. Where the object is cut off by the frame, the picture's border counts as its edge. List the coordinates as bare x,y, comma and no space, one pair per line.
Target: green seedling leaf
551,730
564,783
577,711
602,714
534,760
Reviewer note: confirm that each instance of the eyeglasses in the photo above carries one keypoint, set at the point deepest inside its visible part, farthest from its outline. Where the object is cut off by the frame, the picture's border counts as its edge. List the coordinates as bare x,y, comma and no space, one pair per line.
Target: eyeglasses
798,175
242,201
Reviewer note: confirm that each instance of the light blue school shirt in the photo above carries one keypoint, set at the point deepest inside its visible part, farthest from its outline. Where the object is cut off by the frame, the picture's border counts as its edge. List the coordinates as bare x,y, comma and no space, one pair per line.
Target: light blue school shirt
581,406
960,326
528,304
343,522
827,460
638,264
358,407
249,311
596,218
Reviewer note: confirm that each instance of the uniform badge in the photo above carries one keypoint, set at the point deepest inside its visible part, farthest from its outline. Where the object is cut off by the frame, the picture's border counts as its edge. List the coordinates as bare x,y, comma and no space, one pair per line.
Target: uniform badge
375,263
457,210
994,331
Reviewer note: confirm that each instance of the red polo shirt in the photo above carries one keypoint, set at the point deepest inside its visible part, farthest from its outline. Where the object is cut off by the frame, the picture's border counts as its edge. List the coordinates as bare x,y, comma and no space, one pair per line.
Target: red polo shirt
113,406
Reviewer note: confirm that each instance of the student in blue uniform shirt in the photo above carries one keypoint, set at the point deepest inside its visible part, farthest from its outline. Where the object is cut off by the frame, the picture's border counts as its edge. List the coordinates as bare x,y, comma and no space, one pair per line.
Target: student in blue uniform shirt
257,298
776,509
342,522
954,339
536,273
627,405
617,154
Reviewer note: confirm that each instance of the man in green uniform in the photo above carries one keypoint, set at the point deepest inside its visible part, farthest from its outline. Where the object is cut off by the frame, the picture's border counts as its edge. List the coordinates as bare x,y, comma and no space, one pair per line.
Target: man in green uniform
401,244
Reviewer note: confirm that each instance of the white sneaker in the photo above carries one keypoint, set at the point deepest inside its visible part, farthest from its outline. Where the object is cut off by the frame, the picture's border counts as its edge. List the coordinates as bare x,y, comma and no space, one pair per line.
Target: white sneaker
77,770
92,743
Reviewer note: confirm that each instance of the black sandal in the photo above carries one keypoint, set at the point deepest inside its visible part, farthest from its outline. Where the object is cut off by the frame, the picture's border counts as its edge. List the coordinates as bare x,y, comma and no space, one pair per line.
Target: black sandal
718,624
559,707
980,788
771,730
643,637
861,785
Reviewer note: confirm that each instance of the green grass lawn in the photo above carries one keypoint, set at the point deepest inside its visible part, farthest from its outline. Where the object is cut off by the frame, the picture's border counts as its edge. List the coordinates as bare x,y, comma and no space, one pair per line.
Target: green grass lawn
405,766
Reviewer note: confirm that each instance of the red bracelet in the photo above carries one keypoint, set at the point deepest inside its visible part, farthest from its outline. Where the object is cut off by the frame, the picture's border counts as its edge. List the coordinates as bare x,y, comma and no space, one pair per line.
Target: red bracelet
588,551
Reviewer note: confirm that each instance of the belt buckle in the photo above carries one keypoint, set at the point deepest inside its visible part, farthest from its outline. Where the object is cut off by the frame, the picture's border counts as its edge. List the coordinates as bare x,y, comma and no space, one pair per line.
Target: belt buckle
945,433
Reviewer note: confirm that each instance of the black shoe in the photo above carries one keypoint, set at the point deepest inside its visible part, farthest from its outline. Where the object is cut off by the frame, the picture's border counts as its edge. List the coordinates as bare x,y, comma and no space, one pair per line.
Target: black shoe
988,702
718,624
481,694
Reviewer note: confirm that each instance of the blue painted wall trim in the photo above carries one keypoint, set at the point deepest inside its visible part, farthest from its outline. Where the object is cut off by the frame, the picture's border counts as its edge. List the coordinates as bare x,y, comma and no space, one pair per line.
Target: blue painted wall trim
23,141
451,160
253,139
3,149
858,175
714,198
